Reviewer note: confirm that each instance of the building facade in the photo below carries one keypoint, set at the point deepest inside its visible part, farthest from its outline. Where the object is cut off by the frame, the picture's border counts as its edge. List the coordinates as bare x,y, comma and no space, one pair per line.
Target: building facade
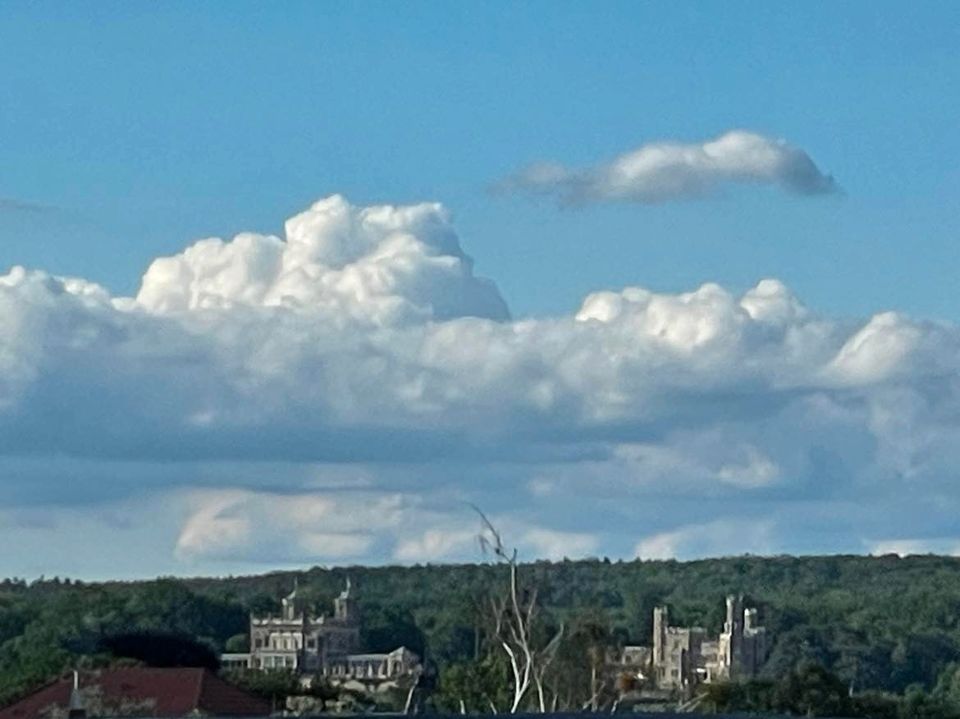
319,645
741,647
682,657
677,651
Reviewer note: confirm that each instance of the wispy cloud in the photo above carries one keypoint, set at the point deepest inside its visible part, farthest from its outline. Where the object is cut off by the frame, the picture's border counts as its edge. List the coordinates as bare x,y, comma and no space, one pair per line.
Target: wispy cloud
725,537
10,204
666,171
907,547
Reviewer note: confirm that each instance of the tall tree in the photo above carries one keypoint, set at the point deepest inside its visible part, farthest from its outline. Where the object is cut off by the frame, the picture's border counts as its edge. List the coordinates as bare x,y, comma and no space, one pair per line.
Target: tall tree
515,616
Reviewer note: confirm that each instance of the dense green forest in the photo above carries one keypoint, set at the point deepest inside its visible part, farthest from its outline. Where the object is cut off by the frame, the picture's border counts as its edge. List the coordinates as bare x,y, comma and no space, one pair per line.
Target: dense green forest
874,625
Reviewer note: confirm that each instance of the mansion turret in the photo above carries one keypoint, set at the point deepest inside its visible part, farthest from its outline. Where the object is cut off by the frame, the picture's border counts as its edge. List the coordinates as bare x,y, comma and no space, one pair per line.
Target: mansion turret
322,645
682,657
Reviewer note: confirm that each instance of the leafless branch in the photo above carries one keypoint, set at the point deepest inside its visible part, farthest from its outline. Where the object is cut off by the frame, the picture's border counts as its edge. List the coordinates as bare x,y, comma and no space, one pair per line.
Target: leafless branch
515,612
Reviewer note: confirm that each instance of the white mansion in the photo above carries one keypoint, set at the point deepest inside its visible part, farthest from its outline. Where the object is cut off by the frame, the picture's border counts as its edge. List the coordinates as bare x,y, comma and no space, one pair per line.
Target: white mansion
322,645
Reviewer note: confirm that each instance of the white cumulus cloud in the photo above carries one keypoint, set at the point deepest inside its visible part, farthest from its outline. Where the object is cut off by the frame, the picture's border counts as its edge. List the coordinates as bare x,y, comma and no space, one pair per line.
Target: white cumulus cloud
379,265
362,339
664,171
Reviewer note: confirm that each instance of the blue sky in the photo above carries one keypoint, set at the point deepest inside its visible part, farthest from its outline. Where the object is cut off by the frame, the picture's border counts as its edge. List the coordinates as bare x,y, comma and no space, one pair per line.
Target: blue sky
150,126
130,130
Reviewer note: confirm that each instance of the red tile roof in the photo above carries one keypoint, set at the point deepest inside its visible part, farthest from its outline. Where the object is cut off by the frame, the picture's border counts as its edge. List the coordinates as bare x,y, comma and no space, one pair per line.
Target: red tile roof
141,692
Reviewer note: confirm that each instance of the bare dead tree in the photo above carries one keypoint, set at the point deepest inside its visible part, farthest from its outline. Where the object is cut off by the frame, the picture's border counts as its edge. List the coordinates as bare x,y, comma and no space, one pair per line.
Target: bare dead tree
515,613
598,682
545,658
408,705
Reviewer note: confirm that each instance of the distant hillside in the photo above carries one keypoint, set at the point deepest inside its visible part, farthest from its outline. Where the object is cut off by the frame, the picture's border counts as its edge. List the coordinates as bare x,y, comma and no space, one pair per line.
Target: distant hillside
876,622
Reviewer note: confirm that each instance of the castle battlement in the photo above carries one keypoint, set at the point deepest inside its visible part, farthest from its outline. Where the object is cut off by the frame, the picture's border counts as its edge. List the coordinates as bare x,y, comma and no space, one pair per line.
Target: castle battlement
685,656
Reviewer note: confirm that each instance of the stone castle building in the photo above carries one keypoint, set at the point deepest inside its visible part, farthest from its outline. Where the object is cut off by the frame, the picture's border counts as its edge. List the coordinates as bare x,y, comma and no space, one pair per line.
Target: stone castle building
319,645
682,657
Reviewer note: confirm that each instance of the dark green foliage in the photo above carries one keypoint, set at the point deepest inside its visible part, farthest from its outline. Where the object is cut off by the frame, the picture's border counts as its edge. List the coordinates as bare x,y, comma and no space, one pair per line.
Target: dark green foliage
63,625
810,690
161,649
386,628
578,675
274,686
879,625
238,643
480,685
806,690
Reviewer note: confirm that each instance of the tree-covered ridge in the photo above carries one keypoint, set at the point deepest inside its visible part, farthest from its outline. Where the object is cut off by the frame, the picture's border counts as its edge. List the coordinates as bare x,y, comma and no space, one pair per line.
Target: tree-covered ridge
880,623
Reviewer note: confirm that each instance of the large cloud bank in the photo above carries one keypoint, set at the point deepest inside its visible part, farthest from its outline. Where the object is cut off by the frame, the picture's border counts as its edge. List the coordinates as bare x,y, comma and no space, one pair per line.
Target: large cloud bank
664,171
342,392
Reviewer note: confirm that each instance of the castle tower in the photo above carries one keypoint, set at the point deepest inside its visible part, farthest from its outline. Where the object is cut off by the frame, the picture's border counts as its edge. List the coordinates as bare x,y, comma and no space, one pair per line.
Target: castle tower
345,606
293,604
754,643
734,623
733,634
661,620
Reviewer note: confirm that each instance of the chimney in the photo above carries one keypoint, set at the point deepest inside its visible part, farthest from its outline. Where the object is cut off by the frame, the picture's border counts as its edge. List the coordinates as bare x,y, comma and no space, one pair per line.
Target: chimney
76,709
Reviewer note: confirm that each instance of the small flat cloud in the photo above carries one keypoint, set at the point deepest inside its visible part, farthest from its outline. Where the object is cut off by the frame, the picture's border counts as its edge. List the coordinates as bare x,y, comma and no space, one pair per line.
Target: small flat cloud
11,204
907,547
270,527
437,544
722,537
668,171
556,545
